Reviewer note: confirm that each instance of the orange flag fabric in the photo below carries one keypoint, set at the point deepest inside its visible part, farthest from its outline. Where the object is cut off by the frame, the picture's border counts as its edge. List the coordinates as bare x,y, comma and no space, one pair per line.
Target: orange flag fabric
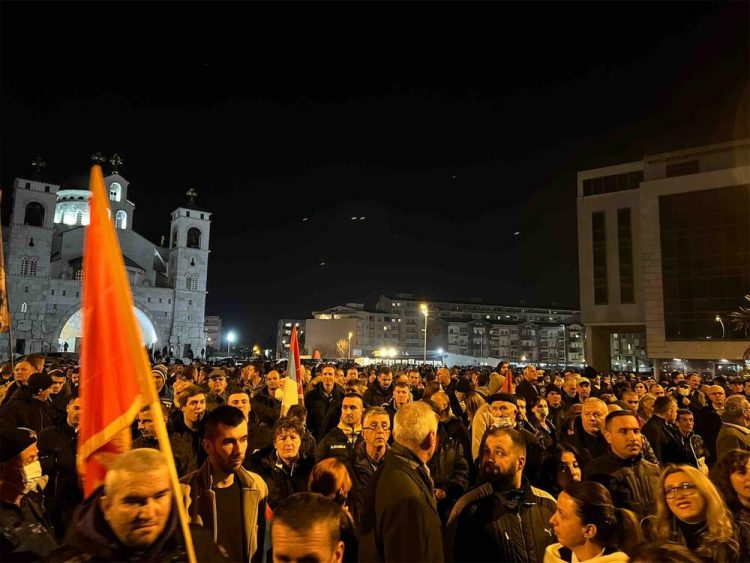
115,373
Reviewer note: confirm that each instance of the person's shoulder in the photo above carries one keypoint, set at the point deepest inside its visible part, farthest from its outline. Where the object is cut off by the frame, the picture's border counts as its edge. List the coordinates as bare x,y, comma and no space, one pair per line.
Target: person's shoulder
543,495
466,505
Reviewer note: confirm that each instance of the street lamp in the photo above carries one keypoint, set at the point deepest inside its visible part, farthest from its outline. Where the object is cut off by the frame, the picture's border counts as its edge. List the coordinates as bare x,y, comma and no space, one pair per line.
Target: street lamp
718,320
426,313
231,337
349,348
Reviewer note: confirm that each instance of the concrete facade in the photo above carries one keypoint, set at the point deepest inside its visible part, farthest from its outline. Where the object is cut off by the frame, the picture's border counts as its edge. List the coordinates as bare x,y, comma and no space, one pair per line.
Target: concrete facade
44,255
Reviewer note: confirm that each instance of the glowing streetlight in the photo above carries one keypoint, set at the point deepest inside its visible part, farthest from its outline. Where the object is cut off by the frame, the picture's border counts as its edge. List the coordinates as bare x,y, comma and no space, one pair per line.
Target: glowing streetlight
231,337
721,322
426,313
349,348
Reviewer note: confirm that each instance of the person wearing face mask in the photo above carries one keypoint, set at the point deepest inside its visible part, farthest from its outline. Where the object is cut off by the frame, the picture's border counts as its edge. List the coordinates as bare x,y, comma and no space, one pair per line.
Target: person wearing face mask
691,512
25,532
546,432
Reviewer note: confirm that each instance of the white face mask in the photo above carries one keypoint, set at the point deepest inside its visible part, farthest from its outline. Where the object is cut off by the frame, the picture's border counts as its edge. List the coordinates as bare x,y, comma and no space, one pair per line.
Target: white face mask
502,421
33,479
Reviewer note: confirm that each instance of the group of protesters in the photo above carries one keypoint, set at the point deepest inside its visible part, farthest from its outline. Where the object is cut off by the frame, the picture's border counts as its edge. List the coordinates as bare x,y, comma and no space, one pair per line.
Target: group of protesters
386,463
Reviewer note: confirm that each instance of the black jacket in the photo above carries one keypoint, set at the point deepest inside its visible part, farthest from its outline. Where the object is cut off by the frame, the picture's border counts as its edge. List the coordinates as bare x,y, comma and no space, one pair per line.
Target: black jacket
529,392
449,471
25,532
588,446
707,425
510,526
633,483
25,411
282,480
693,447
181,451
57,455
376,395
267,408
363,469
338,444
663,438
318,405
180,430
400,520
89,538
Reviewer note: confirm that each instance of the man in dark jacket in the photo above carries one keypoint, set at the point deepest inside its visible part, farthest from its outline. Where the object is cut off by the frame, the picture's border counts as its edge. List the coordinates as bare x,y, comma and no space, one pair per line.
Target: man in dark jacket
692,444
662,434
505,518
342,441
708,420
106,527
449,471
264,401
30,406
57,452
321,399
400,520
369,456
527,388
380,390
734,433
587,437
181,451
632,481
187,421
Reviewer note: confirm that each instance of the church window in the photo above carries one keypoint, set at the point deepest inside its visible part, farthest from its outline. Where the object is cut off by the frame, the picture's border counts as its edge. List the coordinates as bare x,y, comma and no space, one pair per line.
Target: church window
193,238
32,267
190,301
174,238
46,189
115,190
159,299
187,213
121,220
28,185
191,282
34,215
79,275
77,294
26,289
64,293
79,218
24,266
202,216
52,292
24,307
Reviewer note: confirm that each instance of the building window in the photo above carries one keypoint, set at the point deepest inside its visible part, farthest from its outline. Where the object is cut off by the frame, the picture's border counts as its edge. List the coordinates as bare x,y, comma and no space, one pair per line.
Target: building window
32,267
34,214
191,282
24,266
79,218
64,293
52,292
682,168
79,274
599,244
121,220
705,250
193,238
115,190
612,183
625,255
24,307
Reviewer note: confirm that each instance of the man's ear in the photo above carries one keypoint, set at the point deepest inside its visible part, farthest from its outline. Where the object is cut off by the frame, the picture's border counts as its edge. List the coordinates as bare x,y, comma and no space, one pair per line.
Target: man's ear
338,554
105,503
521,462
607,435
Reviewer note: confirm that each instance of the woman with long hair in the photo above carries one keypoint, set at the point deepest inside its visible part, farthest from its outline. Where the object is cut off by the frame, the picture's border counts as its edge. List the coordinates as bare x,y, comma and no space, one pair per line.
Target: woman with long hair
690,511
559,469
589,527
473,401
732,477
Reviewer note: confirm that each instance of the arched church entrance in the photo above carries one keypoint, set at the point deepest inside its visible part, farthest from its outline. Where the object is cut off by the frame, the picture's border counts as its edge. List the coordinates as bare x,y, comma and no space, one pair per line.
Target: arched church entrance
72,331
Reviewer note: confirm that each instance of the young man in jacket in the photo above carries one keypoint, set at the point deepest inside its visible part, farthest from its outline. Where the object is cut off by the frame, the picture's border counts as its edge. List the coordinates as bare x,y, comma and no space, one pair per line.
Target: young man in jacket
225,498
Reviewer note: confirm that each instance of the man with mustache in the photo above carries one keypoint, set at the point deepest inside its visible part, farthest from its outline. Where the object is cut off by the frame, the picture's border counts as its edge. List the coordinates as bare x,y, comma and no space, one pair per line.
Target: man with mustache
504,516
227,498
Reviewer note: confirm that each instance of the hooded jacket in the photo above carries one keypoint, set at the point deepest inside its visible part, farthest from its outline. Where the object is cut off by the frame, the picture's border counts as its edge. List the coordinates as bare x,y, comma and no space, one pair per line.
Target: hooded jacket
89,538
197,486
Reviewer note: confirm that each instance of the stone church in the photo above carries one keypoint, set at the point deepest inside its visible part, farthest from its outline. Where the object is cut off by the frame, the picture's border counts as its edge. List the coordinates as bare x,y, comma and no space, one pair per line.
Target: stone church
43,248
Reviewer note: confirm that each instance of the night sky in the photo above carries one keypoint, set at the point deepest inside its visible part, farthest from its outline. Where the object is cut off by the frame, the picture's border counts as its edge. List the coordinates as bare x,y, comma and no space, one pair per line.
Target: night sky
449,127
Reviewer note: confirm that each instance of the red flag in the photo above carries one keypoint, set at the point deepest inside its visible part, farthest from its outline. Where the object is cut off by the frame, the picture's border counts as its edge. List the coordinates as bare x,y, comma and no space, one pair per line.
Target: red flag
507,386
115,380
294,360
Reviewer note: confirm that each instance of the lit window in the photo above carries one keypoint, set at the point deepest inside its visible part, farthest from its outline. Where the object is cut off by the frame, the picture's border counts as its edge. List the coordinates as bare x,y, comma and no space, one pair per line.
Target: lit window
24,266
115,190
24,307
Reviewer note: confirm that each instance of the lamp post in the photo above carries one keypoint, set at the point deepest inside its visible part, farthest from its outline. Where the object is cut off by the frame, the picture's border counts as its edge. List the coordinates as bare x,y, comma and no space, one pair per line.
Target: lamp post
721,322
349,347
426,313
231,337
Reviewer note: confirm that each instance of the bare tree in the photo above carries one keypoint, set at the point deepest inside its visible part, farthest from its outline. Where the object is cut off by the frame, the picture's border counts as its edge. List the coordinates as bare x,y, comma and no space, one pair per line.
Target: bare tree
342,347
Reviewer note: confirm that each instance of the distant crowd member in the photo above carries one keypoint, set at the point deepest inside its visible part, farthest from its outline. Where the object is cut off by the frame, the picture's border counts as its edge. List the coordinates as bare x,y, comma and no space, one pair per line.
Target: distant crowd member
307,527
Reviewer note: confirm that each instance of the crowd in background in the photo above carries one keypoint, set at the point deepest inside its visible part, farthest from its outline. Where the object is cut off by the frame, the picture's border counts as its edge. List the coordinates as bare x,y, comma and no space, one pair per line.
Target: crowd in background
387,463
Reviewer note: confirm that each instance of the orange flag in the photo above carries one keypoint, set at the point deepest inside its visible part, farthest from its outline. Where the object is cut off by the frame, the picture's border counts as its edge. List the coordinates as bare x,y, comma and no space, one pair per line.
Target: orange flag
115,374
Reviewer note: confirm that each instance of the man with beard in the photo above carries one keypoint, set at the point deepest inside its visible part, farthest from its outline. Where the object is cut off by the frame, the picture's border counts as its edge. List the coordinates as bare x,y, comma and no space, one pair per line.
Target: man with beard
380,390
570,391
505,518
227,498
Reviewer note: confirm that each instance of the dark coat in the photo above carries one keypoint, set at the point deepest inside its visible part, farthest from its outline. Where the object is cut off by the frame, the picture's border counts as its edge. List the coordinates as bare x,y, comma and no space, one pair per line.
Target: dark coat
509,526
400,520
181,451
363,469
180,430
376,395
25,411
57,454
89,538
633,483
588,446
664,441
25,532
338,444
267,408
282,480
529,392
318,405
707,425
449,471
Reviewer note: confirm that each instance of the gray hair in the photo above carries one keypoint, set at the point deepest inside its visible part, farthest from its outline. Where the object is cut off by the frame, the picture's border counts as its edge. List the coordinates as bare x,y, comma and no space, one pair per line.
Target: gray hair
139,460
733,408
413,423
372,411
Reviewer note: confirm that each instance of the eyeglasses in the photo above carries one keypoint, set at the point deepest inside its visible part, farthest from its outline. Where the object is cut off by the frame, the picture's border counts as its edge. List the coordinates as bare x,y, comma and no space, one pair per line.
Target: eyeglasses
375,427
687,489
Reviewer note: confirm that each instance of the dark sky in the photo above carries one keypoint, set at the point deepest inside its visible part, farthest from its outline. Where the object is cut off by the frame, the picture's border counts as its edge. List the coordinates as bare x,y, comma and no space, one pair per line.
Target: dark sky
448,126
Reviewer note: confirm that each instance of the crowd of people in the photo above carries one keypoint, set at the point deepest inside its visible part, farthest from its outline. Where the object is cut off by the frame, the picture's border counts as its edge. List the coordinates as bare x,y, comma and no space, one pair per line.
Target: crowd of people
386,463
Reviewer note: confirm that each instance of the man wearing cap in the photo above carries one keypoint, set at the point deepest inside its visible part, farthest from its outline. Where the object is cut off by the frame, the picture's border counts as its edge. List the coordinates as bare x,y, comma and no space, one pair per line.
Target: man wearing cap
583,388
159,372
217,389
556,407
30,407
25,532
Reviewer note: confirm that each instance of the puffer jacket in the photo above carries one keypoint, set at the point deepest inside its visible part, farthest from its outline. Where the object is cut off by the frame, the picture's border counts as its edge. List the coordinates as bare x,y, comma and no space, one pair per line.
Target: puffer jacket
510,526
633,482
